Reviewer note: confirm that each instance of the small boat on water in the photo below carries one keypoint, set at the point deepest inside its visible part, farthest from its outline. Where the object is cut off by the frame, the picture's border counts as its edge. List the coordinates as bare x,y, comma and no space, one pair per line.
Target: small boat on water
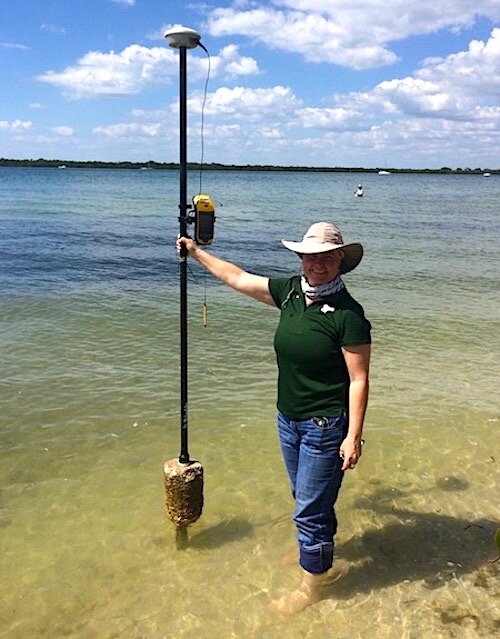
384,172
61,166
487,174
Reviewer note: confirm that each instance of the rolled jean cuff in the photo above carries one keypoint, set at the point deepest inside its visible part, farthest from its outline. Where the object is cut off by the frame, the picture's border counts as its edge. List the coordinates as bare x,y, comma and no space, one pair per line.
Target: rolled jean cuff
317,559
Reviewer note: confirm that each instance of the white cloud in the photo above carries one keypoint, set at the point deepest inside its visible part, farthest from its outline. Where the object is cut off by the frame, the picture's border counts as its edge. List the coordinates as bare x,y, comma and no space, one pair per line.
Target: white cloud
13,45
229,63
463,86
439,113
314,36
52,28
351,33
137,67
448,109
126,3
246,103
339,118
272,133
390,20
15,125
128,130
124,73
148,114
226,131
238,116
36,105
449,106
63,130
474,74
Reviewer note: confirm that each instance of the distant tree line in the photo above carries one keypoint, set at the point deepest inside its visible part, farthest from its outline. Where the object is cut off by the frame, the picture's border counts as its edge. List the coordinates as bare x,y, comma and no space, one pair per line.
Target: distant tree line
214,166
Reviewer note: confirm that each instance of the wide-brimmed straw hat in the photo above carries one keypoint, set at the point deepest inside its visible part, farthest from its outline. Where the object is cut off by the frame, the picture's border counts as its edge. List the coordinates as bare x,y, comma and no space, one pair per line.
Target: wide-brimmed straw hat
325,236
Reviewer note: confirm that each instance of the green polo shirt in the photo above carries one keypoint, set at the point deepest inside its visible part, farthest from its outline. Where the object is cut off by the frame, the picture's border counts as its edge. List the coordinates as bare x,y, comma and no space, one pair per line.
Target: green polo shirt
313,380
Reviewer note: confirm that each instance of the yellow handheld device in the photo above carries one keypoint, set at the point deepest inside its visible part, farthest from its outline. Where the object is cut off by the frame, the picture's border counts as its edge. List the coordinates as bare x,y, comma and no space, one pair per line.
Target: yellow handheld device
204,219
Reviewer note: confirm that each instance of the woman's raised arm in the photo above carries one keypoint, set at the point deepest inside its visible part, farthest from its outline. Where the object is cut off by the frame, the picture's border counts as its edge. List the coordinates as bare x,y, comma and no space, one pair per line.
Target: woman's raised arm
255,286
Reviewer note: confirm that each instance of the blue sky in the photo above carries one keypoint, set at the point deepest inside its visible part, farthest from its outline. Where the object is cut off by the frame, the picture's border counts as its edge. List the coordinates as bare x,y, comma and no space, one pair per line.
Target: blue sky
402,83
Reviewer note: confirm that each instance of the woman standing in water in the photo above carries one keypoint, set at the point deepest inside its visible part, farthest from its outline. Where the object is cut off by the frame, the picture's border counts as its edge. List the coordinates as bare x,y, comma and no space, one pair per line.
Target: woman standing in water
322,346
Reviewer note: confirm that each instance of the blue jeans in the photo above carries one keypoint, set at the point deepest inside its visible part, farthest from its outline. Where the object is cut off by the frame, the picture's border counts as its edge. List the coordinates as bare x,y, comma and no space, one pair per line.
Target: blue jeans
311,453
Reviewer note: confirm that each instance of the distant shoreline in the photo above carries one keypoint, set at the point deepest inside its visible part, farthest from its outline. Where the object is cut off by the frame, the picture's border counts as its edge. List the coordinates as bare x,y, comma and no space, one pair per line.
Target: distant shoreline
74,164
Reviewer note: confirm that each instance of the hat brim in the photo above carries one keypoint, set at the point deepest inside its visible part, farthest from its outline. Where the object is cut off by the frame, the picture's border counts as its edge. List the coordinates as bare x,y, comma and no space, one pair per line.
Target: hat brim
353,253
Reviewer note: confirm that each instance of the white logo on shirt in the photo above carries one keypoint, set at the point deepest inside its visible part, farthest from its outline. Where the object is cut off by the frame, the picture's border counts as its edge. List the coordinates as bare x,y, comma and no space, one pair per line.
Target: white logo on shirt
326,308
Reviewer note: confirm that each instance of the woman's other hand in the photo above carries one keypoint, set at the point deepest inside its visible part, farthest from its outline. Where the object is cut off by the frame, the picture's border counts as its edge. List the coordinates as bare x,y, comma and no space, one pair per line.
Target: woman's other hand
350,451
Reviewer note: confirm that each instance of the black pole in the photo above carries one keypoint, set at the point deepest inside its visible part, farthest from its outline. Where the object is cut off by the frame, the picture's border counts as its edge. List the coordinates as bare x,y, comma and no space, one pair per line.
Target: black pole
183,221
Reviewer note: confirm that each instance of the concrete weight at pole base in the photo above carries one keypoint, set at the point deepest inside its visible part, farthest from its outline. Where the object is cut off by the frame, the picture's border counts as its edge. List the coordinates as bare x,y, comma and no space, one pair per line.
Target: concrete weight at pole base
183,491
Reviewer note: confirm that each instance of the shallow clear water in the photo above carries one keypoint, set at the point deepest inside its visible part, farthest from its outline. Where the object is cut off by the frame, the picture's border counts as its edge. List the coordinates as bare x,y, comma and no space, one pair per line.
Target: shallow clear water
89,395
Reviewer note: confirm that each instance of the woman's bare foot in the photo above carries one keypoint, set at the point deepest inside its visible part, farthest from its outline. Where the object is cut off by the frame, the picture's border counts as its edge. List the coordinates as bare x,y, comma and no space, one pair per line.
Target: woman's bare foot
312,589
308,593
